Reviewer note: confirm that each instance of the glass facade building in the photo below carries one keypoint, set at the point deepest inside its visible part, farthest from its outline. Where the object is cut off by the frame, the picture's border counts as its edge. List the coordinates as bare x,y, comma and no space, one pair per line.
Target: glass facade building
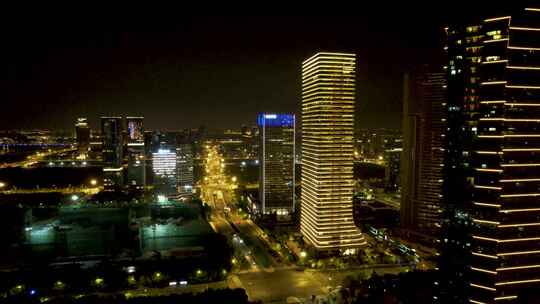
506,232
422,156
136,169
491,232
328,103
276,163
82,136
164,169
184,166
463,47
111,134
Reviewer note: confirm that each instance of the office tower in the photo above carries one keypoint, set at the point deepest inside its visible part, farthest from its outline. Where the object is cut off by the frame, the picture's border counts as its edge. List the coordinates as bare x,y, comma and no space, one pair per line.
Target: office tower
164,168
184,166
148,149
464,43
82,135
111,135
422,158
328,98
392,171
136,169
505,211
134,128
276,163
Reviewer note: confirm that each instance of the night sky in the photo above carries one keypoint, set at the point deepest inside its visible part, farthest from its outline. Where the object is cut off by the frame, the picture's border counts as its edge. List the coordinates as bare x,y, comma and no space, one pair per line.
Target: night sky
184,71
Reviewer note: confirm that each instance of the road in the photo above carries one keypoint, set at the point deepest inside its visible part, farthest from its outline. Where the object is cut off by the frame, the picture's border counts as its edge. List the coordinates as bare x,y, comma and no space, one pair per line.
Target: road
387,199
267,278
35,158
277,286
71,190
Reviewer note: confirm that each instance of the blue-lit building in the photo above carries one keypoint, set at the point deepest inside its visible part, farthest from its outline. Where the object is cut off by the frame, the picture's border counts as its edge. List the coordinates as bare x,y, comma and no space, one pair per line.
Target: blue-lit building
276,159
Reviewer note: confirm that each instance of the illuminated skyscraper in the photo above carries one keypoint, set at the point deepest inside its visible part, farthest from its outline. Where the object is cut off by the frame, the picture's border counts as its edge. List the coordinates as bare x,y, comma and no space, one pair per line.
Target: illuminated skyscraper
506,210
82,135
276,163
328,99
422,159
498,223
111,134
164,167
136,169
463,49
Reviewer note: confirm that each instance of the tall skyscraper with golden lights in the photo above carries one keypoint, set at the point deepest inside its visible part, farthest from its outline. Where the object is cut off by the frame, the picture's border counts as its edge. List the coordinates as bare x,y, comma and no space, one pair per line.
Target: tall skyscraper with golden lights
328,98
499,225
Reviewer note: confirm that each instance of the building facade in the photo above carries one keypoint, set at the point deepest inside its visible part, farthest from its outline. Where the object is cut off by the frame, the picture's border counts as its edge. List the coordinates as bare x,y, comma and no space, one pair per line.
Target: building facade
463,46
164,169
111,135
422,155
276,164
184,167
392,158
135,147
328,103
82,136
506,235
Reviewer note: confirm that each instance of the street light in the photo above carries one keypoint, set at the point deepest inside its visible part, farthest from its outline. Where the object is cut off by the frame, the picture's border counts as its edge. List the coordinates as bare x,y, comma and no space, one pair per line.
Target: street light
74,197
234,179
93,182
2,185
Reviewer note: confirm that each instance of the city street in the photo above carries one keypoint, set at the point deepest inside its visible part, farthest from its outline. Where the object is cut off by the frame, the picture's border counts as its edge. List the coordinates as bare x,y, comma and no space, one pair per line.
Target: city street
38,156
280,284
267,278
217,192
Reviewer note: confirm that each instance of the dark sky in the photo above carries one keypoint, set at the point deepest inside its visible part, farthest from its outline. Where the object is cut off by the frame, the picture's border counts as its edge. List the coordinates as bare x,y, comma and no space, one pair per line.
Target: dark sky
184,71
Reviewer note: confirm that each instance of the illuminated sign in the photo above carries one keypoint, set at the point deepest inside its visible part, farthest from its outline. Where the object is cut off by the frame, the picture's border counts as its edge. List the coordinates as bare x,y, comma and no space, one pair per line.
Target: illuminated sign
275,120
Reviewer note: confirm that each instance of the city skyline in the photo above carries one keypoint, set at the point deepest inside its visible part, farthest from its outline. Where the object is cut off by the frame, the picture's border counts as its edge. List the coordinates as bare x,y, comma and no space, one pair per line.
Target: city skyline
390,156
129,69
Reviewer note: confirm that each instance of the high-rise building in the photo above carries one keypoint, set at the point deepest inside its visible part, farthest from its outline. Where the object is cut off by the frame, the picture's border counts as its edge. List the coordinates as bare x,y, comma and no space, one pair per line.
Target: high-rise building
164,168
505,246
422,156
148,150
111,135
489,245
464,43
392,158
276,163
184,167
136,168
328,99
134,128
82,135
